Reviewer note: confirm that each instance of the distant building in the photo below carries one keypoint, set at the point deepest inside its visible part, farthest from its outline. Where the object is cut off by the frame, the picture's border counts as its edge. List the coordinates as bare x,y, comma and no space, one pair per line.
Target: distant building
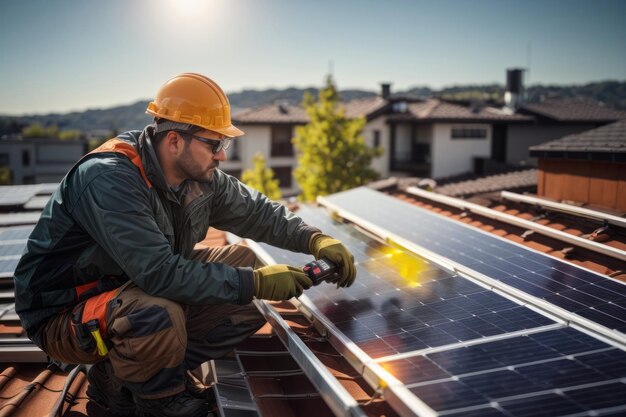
40,160
585,168
425,137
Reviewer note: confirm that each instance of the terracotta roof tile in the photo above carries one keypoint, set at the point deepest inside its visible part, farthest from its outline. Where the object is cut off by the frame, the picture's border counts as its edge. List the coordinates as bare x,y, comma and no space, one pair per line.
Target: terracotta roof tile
287,113
272,113
509,181
439,110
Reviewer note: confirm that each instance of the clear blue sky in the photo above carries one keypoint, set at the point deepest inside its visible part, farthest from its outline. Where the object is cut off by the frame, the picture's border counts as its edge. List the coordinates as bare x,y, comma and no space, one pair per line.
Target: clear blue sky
61,55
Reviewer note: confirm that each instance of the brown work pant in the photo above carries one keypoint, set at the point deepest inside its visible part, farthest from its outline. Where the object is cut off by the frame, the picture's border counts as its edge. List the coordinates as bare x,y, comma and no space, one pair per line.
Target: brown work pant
153,341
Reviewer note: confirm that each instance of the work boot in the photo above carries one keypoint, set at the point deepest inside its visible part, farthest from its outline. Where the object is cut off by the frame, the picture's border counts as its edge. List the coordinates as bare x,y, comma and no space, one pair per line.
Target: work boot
107,392
179,405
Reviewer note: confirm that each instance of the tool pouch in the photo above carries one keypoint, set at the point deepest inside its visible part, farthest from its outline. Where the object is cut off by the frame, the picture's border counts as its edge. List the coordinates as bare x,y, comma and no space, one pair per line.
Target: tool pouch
89,322
80,330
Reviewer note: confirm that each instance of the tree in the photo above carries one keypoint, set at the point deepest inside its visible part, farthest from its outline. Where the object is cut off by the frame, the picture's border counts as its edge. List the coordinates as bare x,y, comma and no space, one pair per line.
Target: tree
262,178
5,175
332,152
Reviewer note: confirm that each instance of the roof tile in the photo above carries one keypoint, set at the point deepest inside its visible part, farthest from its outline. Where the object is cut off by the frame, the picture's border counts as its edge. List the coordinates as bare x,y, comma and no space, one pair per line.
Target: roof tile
610,138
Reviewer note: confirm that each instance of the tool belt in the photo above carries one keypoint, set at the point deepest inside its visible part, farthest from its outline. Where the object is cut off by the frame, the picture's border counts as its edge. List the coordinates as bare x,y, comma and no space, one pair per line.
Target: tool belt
89,325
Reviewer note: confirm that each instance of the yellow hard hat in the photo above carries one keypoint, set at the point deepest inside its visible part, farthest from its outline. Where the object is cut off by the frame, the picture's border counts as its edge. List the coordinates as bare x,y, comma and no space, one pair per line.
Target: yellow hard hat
194,99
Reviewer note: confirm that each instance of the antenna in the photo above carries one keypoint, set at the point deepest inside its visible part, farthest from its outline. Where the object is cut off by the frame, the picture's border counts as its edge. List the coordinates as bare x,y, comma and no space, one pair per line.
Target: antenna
529,53
331,65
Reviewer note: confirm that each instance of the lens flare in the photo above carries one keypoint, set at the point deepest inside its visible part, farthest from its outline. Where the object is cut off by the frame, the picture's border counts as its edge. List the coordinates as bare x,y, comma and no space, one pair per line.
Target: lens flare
410,267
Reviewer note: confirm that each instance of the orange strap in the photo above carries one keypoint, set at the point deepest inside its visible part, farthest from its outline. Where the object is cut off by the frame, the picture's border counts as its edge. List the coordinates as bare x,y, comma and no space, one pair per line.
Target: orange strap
126,149
95,308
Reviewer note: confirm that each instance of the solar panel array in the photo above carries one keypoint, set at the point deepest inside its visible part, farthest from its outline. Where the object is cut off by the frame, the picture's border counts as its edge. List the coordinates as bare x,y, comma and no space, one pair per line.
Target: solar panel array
12,244
458,346
576,290
17,195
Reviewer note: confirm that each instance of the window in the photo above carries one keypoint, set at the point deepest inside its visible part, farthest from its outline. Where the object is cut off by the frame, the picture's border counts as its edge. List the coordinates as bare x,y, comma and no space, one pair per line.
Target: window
469,133
4,159
284,176
281,140
376,138
233,151
25,158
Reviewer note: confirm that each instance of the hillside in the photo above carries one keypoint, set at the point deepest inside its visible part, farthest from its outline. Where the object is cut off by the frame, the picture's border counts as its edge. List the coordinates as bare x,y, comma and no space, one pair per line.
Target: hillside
120,118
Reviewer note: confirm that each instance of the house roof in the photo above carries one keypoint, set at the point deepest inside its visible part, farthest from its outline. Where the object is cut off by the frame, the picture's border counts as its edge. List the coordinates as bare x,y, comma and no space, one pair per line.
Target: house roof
288,113
572,111
438,110
517,180
606,139
443,111
272,113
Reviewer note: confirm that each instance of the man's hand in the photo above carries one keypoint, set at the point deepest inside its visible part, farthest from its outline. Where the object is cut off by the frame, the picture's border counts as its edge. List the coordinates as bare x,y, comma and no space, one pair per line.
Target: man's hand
324,246
280,282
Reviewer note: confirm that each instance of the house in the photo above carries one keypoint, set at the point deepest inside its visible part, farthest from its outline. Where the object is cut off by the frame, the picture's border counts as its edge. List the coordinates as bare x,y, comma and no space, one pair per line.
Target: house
587,168
40,160
431,137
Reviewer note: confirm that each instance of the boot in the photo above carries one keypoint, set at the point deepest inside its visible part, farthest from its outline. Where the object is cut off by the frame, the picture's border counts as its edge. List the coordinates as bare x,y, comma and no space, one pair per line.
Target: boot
107,392
179,405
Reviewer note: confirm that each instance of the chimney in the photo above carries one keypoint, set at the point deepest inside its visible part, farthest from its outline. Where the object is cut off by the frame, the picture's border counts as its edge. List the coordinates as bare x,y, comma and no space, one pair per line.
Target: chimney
386,90
514,93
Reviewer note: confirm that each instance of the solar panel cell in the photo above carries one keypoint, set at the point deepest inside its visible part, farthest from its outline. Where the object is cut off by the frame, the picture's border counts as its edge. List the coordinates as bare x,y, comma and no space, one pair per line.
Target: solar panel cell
548,405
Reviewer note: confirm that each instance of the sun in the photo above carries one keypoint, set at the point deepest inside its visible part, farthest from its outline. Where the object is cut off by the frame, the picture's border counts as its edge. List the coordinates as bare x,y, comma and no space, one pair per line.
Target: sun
189,8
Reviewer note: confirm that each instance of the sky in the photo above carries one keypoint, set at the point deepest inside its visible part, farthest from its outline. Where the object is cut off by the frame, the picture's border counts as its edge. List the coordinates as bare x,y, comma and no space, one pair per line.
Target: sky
66,55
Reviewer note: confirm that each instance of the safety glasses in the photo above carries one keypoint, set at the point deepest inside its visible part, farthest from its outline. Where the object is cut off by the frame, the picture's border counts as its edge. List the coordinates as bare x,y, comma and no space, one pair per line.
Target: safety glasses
216,145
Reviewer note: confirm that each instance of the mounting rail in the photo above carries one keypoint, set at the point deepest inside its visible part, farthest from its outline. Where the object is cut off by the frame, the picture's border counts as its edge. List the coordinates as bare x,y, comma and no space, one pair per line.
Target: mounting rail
516,221
564,208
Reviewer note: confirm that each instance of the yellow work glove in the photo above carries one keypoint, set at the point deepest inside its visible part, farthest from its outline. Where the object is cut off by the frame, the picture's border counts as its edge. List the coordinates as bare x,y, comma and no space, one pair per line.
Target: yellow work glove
324,246
280,282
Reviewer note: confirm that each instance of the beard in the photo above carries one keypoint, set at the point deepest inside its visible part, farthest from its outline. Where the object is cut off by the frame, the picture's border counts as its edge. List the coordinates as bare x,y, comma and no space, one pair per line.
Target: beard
194,170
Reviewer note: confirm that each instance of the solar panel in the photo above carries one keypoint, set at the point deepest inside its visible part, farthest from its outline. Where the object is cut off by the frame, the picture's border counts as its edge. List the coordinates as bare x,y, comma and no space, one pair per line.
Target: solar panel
15,219
47,188
459,347
557,368
17,195
12,244
400,303
574,289
37,202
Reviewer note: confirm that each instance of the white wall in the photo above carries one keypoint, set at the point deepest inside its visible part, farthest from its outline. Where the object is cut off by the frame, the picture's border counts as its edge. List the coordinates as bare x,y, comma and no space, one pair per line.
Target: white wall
49,158
381,163
520,138
456,156
258,138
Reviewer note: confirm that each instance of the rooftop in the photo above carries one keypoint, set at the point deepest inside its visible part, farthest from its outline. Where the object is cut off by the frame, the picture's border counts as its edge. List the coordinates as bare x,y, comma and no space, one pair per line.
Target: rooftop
573,111
427,333
606,139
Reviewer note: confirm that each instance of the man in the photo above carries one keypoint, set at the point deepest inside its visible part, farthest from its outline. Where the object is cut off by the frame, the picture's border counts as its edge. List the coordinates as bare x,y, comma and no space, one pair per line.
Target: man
110,276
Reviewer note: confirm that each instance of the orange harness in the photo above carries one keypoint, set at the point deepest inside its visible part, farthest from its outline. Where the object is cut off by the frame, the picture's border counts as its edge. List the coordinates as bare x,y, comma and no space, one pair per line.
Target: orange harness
91,321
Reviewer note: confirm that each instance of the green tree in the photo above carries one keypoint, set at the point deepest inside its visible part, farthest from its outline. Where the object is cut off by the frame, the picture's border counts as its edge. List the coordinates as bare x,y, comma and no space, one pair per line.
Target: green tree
5,175
37,130
332,152
71,134
262,178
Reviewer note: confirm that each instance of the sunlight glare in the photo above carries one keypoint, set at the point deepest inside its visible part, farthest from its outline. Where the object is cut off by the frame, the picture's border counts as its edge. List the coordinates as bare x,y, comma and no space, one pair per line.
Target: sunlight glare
191,8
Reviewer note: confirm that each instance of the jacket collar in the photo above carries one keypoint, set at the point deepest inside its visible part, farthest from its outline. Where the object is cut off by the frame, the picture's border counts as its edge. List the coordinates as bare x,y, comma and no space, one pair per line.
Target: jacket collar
154,172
